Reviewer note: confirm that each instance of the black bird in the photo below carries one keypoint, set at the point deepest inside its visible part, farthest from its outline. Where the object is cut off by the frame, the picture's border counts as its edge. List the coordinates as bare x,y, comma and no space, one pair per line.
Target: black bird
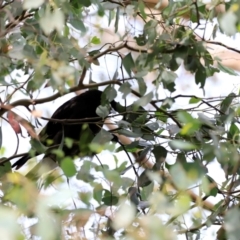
80,107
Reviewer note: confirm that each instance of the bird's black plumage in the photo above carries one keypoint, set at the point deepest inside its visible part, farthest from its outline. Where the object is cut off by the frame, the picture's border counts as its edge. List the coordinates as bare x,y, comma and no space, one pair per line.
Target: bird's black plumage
80,107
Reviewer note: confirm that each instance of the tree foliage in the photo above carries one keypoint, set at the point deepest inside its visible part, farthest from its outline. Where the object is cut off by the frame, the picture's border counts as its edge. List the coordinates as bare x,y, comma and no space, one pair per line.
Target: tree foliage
117,46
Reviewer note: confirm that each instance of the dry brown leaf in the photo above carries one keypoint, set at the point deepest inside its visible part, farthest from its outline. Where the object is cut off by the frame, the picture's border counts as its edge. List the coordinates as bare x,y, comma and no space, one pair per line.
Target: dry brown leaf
14,120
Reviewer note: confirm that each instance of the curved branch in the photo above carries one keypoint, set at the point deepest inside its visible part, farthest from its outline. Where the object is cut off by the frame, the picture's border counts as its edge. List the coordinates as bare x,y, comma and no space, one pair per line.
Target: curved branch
27,102
80,84
223,45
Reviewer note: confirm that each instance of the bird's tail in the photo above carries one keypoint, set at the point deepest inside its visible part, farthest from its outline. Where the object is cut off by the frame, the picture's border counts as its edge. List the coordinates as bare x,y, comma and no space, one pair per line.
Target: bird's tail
20,162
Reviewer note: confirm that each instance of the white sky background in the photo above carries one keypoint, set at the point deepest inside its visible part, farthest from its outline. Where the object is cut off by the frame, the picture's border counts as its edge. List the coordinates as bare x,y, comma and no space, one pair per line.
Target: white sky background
220,84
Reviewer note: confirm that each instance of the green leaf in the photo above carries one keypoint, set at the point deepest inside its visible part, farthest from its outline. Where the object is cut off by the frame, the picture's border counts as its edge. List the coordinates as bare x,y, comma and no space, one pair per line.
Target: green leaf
169,86
143,101
209,186
58,152
161,116
231,218
95,40
109,199
153,126
98,192
125,88
168,76
181,145
226,103
138,119
126,182
117,19
85,197
102,111
228,22
200,76
85,139
150,30
86,3
194,100
142,86
112,175
111,93
29,4
128,63
68,167
179,176
68,142
206,121
208,152
85,172
142,6
129,133
173,64
52,20
185,117
38,146
195,170
9,223
147,191
110,6
234,132
132,147
102,137
29,52
191,63
141,73
227,70
5,168
78,24
191,124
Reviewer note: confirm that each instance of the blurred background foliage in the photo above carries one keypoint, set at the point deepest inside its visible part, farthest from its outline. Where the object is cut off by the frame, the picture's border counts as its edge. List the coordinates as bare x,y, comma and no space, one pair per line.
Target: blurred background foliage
65,46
